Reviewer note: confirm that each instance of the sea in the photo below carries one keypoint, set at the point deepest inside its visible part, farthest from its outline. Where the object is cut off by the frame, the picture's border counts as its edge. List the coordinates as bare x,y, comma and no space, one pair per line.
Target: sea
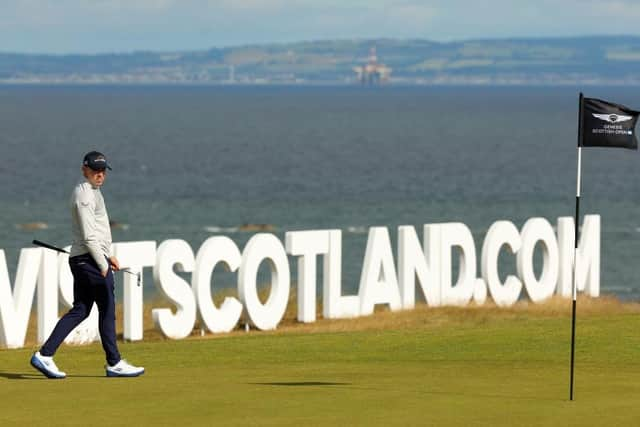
191,162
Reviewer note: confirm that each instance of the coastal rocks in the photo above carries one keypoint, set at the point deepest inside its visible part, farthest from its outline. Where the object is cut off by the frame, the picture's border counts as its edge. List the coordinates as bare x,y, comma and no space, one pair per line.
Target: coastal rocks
115,225
256,227
244,228
31,226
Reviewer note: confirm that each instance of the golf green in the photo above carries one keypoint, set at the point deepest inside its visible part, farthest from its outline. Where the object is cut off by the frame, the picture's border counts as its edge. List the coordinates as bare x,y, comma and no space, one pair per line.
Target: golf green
477,369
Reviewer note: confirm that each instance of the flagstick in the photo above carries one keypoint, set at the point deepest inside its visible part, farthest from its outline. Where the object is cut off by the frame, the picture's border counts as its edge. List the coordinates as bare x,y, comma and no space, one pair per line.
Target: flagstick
575,251
575,285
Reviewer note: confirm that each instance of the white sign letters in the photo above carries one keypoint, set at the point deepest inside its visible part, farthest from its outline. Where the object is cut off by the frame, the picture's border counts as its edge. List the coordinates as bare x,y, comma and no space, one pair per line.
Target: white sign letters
385,279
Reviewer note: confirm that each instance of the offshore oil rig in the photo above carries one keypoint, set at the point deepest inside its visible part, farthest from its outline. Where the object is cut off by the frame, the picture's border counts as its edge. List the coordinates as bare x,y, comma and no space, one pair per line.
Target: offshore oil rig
373,72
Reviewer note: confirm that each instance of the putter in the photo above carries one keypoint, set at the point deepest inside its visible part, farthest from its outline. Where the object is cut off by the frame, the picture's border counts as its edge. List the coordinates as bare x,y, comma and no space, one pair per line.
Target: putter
57,249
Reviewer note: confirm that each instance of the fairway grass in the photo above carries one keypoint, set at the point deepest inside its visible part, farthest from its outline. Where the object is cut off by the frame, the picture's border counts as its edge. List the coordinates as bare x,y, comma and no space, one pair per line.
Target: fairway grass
445,366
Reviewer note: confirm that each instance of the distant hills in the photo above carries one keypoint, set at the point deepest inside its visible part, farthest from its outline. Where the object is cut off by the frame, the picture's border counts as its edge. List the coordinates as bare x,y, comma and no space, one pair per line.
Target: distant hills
583,60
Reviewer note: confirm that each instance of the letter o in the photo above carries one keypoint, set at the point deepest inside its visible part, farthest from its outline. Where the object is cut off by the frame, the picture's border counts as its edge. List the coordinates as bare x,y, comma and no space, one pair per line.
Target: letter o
264,247
538,230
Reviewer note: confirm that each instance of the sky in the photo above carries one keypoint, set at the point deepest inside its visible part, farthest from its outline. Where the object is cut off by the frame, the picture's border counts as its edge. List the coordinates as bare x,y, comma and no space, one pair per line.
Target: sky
100,26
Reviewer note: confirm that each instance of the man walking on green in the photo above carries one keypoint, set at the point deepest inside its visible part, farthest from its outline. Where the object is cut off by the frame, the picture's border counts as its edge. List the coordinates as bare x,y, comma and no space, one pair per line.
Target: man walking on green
92,267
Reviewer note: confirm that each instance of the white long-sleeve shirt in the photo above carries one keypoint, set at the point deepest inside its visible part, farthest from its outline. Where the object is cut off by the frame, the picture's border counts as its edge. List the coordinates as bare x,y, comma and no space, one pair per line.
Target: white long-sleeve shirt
90,224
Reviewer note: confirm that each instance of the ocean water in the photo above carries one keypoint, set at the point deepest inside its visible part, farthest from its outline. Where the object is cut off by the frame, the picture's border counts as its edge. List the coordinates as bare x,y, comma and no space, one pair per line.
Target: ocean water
191,162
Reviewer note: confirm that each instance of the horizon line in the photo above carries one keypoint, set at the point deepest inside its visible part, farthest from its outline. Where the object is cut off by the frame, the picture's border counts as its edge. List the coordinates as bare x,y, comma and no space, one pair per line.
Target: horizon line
312,41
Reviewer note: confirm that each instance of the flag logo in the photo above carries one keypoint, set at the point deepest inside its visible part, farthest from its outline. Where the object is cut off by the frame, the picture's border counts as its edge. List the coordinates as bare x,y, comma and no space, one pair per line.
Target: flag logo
612,118
605,124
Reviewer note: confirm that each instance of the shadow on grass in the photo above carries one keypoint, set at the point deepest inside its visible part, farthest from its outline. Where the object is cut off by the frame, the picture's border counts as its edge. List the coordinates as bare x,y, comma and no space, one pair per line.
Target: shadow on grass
16,376
301,383
34,376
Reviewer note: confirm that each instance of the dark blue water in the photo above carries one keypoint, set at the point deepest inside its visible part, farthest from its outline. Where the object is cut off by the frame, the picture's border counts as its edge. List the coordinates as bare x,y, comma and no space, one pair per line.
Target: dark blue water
191,162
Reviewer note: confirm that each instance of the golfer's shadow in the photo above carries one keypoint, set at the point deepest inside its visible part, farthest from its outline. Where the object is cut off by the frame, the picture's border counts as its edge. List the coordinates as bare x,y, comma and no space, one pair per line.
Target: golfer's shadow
36,376
18,376
300,383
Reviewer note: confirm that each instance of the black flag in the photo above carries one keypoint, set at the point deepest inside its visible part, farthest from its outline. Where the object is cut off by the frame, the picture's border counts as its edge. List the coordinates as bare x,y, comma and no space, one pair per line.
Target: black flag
605,124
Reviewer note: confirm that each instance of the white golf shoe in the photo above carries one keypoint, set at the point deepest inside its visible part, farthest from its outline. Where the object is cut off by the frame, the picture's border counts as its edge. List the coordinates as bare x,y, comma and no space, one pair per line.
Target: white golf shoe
124,369
46,366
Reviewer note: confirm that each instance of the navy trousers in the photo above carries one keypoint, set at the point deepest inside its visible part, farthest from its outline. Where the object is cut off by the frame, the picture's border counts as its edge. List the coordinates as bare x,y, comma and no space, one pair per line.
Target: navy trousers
88,287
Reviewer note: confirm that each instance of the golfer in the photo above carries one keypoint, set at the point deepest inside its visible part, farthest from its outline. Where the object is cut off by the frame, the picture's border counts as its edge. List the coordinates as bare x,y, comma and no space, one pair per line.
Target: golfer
92,268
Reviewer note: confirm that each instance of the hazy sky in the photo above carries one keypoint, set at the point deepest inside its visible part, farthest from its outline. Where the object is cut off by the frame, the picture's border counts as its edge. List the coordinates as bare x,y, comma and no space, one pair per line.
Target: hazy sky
92,26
